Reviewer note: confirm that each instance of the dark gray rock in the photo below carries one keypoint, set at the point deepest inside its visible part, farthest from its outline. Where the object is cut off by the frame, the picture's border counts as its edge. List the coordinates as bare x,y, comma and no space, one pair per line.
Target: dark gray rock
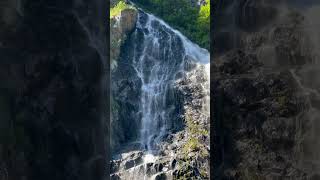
158,167
150,169
237,62
161,176
259,98
129,164
114,177
173,163
115,166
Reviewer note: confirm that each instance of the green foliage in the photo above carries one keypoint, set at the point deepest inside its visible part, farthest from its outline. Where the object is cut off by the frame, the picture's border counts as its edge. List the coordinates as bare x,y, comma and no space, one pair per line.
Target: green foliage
195,128
193,143
203,22
116,10
191,20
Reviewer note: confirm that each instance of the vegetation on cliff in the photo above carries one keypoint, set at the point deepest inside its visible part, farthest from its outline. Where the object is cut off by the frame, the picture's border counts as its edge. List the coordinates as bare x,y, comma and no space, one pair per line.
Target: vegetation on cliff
123,18
190,144
194,149
120,27
120,6
192,20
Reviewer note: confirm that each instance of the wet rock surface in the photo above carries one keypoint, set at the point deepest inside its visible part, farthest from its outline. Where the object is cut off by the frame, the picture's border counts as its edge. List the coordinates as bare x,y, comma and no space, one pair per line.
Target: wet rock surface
175,158
132,165
157,80
260,104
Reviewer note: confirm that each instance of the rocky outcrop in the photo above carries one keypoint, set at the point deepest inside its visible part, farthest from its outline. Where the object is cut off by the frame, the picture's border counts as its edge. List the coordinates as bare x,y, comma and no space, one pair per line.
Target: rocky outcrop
120,27
257,115
182,154
192,153
261,106
158,81
133,165
52,74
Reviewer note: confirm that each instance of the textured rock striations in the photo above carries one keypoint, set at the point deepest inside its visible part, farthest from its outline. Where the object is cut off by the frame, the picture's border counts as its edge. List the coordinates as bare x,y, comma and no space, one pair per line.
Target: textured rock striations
52,74
262,102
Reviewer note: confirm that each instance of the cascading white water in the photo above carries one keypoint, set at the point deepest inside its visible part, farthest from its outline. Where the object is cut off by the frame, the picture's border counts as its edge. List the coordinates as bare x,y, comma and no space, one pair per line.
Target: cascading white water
161,56
155,58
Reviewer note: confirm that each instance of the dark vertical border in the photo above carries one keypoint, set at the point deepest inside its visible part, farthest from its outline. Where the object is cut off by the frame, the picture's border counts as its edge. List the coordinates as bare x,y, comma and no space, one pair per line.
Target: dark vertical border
103,170
216,153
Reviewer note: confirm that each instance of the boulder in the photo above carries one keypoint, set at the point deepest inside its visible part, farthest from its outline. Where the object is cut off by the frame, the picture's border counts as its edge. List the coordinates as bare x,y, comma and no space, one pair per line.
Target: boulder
161,176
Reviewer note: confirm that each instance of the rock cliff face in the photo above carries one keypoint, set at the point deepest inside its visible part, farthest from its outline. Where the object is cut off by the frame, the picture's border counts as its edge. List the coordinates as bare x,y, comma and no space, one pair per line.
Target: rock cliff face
160,88
263,97
121,26
182,154
52,74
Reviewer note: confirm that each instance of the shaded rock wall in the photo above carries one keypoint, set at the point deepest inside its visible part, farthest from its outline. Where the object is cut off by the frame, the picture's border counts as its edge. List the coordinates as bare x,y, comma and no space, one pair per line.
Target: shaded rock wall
121,27
52,74
261,108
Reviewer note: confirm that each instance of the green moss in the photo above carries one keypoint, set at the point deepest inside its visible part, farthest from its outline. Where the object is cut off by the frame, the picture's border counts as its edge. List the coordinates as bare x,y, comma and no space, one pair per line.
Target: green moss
194,128
184,172
203,172
191,145
116,10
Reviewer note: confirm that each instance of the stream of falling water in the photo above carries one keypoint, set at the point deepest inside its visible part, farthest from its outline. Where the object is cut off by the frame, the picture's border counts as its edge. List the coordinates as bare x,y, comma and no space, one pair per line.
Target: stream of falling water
164,52
160,56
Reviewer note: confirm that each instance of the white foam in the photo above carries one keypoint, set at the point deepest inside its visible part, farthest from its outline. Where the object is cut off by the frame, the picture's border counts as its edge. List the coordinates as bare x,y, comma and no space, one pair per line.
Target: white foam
149,158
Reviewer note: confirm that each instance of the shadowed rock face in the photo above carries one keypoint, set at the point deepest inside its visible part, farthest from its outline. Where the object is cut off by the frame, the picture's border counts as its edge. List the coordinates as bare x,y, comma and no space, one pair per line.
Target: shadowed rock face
265,100
121,26
52,70
127,83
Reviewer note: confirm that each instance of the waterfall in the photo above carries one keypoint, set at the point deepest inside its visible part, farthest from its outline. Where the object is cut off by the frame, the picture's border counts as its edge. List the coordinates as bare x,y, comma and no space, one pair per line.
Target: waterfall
159,57
153,60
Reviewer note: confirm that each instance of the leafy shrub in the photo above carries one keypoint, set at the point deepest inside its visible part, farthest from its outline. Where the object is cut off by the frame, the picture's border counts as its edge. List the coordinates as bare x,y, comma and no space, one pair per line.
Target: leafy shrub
191,20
